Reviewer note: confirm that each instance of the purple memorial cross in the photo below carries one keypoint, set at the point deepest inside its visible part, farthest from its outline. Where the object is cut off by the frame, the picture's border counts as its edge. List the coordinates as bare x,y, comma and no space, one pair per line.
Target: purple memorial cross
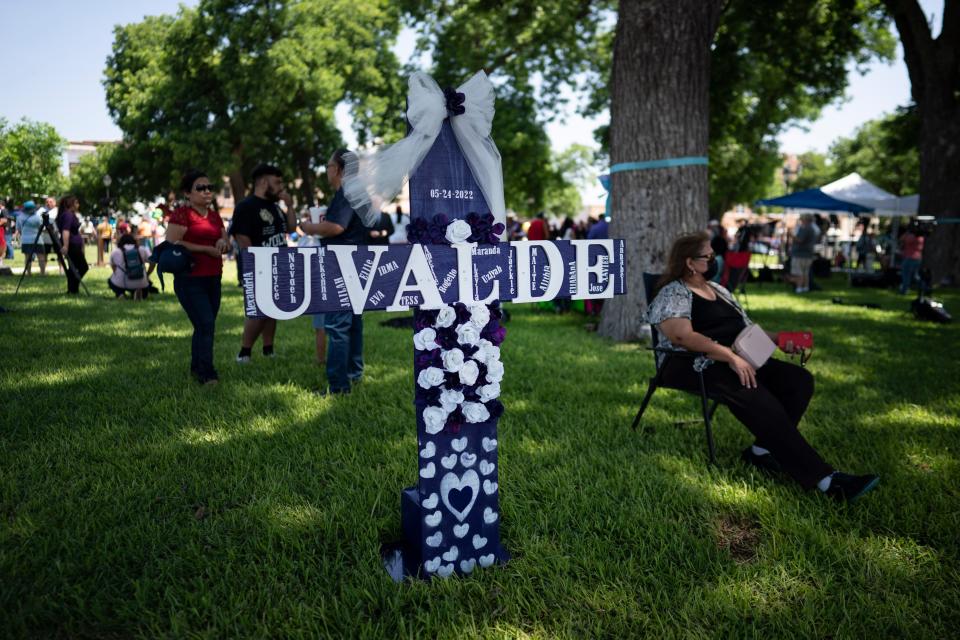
453,274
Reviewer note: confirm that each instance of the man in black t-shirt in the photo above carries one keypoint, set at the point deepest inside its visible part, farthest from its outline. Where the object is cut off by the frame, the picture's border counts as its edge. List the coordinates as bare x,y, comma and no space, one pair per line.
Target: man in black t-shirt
258,222
344,330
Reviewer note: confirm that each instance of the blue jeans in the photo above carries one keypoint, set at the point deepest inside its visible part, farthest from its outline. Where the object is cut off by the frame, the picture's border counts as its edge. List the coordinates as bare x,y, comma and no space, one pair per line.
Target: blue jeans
344,350
908,272
200,298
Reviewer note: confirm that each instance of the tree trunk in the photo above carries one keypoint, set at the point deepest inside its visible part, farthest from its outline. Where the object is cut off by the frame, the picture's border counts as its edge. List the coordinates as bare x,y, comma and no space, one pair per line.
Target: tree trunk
237,185
934,67
659,109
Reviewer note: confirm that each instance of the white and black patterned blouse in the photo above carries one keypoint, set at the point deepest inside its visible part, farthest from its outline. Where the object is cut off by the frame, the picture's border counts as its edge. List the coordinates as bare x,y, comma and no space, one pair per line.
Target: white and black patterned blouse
675,300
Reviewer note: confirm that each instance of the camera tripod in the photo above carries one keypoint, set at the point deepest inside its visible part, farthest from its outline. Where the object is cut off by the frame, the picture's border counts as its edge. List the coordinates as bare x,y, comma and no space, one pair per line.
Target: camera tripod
58,250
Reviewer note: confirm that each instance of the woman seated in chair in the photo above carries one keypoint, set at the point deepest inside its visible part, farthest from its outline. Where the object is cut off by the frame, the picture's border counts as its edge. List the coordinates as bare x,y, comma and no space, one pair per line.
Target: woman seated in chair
693,314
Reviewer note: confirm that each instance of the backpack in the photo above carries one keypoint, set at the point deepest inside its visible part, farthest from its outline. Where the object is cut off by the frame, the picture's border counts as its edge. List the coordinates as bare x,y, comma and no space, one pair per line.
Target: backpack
133,263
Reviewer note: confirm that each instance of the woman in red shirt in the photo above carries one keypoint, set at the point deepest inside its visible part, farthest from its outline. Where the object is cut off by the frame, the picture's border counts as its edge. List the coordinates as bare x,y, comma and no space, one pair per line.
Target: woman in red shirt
198,228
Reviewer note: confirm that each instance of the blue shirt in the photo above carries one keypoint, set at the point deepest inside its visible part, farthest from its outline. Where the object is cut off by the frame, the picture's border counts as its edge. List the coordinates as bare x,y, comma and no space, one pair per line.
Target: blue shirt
599,230
341,213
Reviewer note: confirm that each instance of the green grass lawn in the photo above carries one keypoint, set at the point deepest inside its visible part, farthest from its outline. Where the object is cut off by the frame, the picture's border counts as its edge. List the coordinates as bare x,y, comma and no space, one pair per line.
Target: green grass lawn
136,504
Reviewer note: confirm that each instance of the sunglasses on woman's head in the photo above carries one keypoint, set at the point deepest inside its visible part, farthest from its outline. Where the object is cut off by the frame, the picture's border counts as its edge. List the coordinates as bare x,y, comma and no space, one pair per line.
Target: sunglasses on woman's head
203,187
710,257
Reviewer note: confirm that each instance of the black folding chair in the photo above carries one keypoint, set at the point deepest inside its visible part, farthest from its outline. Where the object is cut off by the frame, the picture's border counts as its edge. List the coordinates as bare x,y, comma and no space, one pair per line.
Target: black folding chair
649,282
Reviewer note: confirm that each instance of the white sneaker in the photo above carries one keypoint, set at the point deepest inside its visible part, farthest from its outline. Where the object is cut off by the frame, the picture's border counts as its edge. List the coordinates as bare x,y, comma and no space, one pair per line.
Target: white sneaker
243,359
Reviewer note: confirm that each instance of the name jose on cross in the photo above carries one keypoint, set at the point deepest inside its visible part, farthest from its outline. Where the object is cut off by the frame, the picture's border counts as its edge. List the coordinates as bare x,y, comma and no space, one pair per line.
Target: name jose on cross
284,283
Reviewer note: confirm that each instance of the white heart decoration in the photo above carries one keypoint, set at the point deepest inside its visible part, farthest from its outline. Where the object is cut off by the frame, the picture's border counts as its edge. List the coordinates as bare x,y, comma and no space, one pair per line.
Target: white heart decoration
436,539
428,471
448,462
429,450
467,565
489,444
459,444
478,541
434,518
452,554
431,502
486,468
489,488
467,459
461,530
489,515
486,561
451,481
445,571
432,565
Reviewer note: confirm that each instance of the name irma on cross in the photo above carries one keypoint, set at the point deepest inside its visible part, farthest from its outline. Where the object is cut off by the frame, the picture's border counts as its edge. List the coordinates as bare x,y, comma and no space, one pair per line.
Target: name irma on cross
284,283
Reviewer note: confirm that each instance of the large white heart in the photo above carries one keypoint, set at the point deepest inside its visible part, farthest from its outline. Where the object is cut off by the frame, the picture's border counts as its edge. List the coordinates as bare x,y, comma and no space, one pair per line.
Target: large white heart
451,482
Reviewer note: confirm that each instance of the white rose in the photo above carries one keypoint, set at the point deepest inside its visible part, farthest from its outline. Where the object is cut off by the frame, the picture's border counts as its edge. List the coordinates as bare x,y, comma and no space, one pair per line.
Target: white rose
430,377
479,315
475,412
486,353
489,392
469,372
425,340
446,317
458,231
434,419
451,399
494,371
452,360
468,334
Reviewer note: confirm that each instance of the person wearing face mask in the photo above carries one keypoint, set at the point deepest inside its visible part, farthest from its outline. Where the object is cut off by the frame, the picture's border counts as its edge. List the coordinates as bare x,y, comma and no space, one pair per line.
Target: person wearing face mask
693,314
197,227
258,222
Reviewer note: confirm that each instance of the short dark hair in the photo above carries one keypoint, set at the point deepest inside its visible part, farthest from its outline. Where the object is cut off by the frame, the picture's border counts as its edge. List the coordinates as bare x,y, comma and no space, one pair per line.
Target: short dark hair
341,157
128,238
191,176
265,170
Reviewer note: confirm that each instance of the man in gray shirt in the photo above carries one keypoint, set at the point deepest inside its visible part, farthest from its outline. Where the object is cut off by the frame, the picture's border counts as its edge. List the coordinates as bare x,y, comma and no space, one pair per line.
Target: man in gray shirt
802,253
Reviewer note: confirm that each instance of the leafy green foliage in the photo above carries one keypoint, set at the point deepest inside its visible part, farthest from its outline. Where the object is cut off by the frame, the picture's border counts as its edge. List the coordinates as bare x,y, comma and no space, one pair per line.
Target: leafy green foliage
232,83
30,159
574,166
884,151
815,171
86,179
136,504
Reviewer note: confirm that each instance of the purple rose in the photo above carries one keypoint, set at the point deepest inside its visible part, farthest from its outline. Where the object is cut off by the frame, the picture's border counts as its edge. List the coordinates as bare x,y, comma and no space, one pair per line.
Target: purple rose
426,359
451,380
427,397
447,338
424,319
455,420
494,332
495,407
463,313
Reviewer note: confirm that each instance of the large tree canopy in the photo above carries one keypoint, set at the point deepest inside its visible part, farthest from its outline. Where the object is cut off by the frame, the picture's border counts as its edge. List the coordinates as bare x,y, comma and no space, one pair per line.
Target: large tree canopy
31,154
232,83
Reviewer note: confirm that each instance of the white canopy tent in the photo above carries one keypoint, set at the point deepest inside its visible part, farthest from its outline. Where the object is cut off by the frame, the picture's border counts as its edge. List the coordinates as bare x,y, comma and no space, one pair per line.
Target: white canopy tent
855,188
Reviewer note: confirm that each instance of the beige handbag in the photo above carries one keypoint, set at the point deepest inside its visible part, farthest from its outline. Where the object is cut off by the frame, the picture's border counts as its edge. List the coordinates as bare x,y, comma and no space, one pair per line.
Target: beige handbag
754,345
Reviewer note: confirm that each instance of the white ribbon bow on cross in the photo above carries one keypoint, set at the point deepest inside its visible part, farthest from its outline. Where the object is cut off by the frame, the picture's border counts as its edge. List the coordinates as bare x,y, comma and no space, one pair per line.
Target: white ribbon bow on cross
378,175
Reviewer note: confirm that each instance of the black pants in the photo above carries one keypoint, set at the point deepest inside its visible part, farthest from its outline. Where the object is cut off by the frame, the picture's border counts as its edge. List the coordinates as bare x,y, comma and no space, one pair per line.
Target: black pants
200,298
119,291
771,412
75,255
